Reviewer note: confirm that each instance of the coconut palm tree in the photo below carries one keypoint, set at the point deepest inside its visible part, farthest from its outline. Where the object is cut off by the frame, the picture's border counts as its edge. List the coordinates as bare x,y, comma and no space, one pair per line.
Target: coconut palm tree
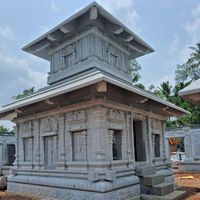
194,62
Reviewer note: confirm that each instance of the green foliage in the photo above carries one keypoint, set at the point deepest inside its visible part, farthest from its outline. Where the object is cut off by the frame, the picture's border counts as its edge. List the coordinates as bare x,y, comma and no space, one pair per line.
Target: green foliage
3,130
190,70
184,75
25,93
170,93
135,70
140,85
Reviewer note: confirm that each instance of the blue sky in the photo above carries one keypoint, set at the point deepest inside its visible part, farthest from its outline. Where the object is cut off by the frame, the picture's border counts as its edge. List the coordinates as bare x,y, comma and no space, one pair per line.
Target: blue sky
170,27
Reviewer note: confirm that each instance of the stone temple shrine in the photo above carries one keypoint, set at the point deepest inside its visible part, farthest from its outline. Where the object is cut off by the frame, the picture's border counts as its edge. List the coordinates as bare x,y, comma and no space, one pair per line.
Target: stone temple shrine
90,134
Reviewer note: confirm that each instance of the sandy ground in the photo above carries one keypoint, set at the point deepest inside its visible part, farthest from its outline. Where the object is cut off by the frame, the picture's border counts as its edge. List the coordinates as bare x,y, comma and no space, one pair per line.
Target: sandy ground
4,196
189,182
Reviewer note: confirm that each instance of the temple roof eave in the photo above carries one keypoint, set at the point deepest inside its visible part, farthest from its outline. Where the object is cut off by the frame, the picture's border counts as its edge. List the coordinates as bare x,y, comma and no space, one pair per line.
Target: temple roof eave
87,80
191,92
40,46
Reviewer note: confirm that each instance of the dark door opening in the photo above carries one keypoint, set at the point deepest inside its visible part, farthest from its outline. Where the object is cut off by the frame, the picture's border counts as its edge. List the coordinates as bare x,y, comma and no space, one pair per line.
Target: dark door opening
117,145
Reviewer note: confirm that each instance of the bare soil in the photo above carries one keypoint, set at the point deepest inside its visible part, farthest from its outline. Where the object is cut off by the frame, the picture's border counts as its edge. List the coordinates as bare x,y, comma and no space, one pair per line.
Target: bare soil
6,196
189,182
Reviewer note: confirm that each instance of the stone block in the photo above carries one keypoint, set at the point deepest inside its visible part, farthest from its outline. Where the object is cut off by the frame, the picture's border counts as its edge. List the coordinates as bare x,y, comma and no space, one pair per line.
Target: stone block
145,170
151,180
163,189
110,176
93,176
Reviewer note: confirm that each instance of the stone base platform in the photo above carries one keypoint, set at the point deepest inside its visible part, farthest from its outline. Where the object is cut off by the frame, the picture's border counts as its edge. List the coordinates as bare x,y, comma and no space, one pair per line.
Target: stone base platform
189,166
58,188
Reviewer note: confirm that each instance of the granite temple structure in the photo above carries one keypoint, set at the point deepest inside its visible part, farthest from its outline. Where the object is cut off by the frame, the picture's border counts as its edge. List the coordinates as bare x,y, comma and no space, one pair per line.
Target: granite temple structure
90,134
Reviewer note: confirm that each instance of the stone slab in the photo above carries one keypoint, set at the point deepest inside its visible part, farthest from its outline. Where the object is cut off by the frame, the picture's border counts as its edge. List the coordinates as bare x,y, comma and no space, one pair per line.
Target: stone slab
163,189
189,166
69,194
176,195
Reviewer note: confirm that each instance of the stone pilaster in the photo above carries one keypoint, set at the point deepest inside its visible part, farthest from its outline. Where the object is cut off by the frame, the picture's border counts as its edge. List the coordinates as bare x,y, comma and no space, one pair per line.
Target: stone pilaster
100,130
16,162
188,144
129,138
61,143
84,135
132,137
41,152
20,147
36,147
149,132
110,139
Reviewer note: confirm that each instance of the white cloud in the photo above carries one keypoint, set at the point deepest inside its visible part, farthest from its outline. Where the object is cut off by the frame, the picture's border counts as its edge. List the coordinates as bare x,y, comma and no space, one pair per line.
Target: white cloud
16,75
54,7
7,33
169,77
192,26
174,46
112,5
179,50
124,10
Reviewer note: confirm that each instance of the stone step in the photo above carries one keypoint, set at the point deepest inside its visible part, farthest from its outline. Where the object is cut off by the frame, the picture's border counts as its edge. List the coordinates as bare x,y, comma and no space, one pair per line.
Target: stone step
137,197
163,189
151,180
176,195
145,170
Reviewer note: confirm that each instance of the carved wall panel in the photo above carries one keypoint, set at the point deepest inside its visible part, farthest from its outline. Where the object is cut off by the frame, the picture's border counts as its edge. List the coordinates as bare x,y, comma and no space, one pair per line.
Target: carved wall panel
50,124
27,147
88,46
27,127
75,116
156,126
116,115
79,142
50,152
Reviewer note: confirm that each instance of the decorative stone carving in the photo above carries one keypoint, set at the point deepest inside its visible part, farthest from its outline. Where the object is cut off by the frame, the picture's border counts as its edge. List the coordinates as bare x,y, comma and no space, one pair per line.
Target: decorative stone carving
138,116
76,115
27,126
27,143
50,125
113,57
116,114
156,126
79,142
69,56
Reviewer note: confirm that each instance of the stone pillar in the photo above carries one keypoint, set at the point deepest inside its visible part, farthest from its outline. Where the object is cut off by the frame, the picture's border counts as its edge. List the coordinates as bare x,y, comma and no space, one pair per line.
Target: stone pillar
61,143
188,144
